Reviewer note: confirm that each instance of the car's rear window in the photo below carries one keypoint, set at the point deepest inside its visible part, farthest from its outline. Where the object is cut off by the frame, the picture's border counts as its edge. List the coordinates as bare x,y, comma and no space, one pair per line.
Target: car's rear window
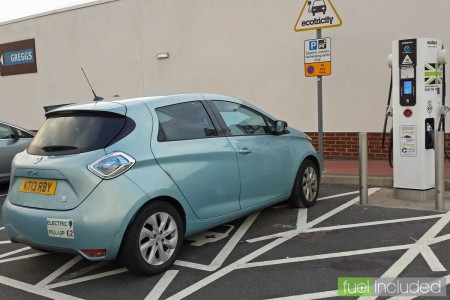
78,132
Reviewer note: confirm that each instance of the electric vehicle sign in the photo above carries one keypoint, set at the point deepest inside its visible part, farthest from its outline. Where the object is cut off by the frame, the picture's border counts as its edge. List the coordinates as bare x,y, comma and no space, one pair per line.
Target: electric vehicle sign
318,57
18,58
317,14
408,142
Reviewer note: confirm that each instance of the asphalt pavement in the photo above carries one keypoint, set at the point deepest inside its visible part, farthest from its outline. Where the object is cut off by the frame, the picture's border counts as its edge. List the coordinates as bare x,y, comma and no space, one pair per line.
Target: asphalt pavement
280,252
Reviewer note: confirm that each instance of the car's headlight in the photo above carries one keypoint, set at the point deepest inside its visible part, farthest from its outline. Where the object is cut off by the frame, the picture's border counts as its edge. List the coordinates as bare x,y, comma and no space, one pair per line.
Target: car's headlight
111,165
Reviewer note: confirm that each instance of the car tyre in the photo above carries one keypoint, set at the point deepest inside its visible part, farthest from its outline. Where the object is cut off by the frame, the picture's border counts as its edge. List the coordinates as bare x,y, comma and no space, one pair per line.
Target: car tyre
306,185
153,240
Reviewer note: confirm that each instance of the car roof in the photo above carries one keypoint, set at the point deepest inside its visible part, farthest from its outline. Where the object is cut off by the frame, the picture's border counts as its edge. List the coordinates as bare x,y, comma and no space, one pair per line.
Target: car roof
119,106
18,127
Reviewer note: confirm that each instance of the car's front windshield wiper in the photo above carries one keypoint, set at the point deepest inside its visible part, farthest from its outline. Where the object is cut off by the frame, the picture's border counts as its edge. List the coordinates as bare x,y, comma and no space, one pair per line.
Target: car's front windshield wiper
54,148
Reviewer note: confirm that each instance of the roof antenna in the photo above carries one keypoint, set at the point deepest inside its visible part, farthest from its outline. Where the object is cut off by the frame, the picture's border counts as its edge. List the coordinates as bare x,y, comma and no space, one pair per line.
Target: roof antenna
96,98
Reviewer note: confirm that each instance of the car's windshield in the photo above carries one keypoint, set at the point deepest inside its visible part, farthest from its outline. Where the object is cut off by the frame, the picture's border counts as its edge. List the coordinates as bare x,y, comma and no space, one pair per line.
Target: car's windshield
76,133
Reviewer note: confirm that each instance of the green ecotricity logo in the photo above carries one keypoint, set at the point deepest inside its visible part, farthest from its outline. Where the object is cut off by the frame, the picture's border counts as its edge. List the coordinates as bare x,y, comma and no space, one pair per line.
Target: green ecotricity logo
368,286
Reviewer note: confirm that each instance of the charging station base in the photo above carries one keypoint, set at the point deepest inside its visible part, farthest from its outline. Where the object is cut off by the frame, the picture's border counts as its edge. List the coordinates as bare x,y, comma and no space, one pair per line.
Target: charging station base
416,195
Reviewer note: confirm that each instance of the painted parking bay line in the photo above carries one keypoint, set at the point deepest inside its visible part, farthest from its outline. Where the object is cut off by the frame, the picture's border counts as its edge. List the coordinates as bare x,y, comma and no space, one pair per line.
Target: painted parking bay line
59,271
249,257
406,259
162,285
5,260
34,290
14,252
225,252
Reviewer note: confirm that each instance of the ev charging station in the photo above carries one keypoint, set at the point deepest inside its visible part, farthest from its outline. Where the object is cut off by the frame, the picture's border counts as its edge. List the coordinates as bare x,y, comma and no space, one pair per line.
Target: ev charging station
418,101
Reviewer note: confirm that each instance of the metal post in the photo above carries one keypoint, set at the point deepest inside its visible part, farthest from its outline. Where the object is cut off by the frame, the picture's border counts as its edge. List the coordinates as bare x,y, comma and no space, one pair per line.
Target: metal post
439,171
363,188
319,109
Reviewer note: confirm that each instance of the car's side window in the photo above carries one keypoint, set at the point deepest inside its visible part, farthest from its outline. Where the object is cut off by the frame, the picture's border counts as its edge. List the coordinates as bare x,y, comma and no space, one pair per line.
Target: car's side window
241,120
184,121
6,132
23,134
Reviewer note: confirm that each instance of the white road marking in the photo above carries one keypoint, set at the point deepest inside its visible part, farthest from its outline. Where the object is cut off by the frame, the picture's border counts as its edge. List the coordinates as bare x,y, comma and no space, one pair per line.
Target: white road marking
323,256
302,218
86,278
162,285
192,265
23,257
1,228
347,226
222,272
37,291
312,223
404,261
431,259
225,252
58,272
337,195
14,252
5,242
439,239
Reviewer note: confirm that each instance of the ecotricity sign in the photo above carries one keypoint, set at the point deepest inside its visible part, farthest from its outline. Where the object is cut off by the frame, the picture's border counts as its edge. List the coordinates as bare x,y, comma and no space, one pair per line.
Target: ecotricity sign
317,14
18,58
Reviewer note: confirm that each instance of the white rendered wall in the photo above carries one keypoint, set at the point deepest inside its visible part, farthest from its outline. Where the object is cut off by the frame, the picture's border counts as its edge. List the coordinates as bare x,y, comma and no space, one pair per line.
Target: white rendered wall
243,48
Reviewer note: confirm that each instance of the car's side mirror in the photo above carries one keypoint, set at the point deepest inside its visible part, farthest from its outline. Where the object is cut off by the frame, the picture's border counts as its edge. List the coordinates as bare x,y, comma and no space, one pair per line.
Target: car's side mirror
15,134
280,127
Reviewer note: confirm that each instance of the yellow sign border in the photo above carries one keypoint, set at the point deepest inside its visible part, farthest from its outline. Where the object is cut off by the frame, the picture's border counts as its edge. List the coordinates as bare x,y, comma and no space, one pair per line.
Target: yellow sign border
315,28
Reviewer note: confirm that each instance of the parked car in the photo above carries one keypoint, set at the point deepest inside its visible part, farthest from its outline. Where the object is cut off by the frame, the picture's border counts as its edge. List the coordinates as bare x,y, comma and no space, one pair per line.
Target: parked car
13,139
132,178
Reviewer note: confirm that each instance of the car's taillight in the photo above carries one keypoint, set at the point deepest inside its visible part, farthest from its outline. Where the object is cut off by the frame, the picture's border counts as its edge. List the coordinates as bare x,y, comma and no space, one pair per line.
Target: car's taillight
111,165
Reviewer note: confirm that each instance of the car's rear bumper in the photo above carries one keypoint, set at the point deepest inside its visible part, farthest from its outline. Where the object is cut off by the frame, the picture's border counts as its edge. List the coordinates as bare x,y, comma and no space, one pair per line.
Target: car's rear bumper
99,222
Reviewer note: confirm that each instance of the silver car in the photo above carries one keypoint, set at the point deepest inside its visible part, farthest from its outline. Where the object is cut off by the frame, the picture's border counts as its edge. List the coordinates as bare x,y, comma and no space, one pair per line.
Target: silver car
13,139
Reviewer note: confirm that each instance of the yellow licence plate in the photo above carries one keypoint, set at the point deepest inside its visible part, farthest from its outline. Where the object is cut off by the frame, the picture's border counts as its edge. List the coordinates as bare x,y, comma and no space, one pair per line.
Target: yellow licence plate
38,186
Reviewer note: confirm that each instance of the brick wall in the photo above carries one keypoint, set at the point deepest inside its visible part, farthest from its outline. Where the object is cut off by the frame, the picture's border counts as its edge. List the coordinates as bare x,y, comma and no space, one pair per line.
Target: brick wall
344,145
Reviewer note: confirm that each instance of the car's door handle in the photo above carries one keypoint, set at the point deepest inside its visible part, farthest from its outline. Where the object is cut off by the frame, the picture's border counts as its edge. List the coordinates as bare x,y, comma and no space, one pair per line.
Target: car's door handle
245,151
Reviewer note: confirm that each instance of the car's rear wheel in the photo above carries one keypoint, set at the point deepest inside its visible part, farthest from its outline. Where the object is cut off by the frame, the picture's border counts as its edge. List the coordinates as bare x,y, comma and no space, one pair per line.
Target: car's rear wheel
152,242
306,185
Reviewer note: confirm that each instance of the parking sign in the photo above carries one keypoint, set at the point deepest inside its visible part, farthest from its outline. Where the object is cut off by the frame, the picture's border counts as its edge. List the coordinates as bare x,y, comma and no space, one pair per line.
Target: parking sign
318,57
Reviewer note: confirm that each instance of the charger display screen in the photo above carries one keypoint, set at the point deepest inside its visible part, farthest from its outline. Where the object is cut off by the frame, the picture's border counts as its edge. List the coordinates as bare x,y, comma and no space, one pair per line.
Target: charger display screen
407,87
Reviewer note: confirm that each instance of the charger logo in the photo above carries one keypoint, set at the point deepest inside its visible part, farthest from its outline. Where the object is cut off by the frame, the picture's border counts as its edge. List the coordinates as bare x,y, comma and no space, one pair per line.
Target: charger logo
317,14
432,74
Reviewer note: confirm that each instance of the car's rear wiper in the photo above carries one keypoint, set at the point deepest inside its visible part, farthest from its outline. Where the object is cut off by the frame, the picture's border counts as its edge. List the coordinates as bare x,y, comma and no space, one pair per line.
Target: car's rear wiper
54,148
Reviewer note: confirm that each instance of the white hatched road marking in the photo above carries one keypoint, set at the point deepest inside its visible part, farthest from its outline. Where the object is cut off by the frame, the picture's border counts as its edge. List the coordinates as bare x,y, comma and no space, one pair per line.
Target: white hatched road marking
23,257
162,285
14,252
406,259
43,288
32,289
59,271
86,278
225,252
222,272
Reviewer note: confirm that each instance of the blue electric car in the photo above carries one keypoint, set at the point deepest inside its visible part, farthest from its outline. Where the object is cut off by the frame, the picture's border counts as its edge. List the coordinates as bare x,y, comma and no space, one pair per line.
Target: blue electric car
132,178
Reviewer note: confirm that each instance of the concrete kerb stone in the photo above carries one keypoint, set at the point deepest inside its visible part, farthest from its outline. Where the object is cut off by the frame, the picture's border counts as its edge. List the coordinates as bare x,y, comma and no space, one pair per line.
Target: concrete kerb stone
378,181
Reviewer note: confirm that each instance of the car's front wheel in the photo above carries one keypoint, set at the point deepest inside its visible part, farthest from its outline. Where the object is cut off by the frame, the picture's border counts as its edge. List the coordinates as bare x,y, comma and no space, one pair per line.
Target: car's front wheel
306,185
153,240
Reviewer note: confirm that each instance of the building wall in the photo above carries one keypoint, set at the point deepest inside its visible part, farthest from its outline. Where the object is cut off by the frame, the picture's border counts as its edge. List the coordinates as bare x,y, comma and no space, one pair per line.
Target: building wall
243,48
